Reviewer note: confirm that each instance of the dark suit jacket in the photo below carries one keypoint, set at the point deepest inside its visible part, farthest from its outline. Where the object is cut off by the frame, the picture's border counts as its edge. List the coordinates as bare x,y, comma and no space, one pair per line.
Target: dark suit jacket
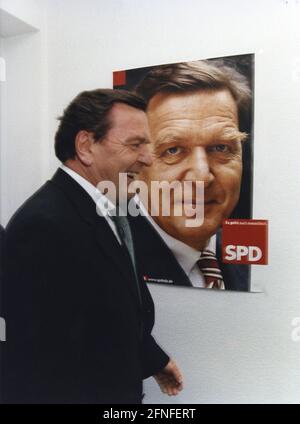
2,232
76,331
157,262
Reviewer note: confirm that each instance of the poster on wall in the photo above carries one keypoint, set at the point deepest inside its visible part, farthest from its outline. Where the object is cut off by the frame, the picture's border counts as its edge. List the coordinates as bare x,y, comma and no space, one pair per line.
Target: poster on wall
200,117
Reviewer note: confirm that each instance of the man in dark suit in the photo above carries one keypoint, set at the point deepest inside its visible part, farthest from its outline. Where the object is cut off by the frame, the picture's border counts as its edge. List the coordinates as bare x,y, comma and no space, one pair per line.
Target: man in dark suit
197,113
78,319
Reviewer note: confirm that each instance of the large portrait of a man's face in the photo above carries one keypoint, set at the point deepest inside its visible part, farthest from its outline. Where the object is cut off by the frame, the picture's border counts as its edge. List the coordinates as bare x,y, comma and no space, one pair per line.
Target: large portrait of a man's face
200,124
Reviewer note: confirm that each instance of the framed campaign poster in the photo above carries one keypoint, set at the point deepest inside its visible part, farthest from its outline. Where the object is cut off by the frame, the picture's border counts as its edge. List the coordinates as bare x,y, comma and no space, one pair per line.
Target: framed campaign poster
200,117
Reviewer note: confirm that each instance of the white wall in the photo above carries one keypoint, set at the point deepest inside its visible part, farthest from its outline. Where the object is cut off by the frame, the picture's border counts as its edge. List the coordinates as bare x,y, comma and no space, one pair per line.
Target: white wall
232,347
23,104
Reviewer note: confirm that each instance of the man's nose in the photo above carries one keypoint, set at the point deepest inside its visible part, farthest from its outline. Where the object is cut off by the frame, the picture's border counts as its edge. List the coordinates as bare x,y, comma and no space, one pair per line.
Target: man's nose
198,166
145,156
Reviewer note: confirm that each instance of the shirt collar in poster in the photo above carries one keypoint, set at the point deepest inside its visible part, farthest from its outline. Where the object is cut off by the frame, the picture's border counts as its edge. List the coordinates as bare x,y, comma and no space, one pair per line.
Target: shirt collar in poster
186,255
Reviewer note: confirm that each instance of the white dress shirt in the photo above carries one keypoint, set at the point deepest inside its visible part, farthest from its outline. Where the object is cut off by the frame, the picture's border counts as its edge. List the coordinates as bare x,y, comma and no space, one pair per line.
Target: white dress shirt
103,204
186,255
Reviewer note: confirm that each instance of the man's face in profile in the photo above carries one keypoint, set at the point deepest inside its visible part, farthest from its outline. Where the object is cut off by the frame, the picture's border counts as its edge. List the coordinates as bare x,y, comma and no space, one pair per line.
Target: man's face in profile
195,136
124,149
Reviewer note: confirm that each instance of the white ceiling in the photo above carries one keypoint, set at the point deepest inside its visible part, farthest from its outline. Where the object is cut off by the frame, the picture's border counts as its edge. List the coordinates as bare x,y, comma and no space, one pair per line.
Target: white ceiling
11,26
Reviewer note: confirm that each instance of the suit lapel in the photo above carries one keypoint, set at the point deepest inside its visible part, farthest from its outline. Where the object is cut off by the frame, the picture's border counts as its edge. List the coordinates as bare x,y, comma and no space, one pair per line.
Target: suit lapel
155,260
104,237
108,242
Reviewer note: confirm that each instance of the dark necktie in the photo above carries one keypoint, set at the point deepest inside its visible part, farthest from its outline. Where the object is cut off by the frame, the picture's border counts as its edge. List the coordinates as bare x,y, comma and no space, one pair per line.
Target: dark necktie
209,267
124,231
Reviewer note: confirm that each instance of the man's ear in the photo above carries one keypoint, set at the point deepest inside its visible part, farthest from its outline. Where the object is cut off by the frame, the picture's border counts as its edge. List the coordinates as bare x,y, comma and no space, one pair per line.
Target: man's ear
83,143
